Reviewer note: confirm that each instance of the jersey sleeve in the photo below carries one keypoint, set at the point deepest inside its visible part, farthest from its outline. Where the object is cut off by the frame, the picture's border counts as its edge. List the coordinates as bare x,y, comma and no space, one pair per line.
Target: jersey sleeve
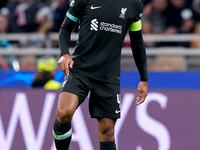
64,35
138,12
137,44
72,17
76,10
137,24
139,53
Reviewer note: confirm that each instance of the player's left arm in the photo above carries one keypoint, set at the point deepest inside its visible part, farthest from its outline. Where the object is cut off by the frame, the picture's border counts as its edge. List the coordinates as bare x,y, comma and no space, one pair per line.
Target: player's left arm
139,54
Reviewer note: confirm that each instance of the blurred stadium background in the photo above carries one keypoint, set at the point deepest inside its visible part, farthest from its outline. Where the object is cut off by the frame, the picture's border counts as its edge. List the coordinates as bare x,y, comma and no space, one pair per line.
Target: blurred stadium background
168,120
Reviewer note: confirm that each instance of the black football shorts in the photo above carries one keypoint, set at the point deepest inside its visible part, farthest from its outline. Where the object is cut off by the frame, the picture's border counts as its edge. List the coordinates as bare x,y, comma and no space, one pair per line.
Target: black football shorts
104,98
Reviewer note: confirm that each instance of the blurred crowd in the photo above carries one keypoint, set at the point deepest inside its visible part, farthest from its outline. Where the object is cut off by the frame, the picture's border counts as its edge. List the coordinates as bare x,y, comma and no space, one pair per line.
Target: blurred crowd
46,16
25,16
171,17
159,17
32,16
29,16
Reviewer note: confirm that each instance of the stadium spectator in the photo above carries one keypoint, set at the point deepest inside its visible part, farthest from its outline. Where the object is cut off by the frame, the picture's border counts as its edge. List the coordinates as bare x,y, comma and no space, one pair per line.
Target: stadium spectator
28,16
4,27
181,20
24,15
155,18
60,8
59,13
7,44
45,76
4,20
196,7
182,17
44,19
173,18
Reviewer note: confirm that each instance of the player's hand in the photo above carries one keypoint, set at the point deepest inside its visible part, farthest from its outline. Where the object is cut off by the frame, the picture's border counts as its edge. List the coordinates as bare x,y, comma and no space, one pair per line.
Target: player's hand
64,63
141,92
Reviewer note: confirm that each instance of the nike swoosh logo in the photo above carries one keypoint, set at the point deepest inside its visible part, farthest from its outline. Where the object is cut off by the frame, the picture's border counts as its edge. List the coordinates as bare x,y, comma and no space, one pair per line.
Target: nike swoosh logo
117,111
92,7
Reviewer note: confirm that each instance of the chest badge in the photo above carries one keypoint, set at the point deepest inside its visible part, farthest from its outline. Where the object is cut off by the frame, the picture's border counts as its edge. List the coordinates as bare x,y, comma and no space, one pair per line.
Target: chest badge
123,11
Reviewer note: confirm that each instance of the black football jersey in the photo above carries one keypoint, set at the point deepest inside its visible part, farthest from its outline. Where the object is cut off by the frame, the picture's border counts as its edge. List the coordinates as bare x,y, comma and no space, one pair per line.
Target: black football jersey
103,26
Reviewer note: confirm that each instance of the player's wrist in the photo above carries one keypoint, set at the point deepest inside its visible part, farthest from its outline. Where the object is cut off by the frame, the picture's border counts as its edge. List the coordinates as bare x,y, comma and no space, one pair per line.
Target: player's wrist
144,79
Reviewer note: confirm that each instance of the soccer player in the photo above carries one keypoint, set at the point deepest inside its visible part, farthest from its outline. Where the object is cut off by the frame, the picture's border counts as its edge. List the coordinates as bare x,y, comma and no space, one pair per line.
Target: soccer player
95,65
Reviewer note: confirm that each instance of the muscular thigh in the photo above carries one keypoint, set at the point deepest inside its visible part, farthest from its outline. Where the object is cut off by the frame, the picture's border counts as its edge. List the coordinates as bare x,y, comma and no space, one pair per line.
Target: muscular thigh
67,104
72,93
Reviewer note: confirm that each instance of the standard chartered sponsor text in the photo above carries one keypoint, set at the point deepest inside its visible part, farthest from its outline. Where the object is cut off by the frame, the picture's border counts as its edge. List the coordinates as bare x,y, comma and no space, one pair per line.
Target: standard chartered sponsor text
110,27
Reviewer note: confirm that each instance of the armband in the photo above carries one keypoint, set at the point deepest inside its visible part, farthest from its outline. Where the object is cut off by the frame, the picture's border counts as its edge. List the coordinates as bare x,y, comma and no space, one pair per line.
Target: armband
136,26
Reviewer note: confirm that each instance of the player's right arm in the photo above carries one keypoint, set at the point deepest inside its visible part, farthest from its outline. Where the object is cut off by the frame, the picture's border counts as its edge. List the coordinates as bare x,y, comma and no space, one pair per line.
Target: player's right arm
72,17
65,60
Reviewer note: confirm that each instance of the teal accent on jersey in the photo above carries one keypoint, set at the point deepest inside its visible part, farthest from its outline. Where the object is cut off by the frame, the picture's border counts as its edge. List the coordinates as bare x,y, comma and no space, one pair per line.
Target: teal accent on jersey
63,136
72,17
